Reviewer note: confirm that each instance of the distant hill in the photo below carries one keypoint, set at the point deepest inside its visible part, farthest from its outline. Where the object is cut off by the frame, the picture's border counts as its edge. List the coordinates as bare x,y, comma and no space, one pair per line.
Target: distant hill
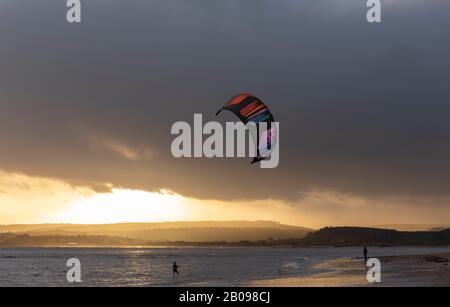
208,231
414,227
242,233
438,228
353,236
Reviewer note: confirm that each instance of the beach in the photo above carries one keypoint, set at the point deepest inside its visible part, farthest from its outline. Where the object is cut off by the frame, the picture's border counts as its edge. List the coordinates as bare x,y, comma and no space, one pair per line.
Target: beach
396,271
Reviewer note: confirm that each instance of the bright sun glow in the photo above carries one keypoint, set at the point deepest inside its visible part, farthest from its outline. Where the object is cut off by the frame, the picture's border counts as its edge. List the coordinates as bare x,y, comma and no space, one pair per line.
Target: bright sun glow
25,199
124,205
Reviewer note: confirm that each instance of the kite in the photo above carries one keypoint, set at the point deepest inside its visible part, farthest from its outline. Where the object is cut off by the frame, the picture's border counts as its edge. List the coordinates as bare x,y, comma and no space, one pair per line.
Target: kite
250,109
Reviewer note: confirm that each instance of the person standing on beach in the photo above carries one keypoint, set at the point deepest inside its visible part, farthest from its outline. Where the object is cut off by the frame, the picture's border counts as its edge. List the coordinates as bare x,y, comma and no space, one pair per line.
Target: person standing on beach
175,269
365,253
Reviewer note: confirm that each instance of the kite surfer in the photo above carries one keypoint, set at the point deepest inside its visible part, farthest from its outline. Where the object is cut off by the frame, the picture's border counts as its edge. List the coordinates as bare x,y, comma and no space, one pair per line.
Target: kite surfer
175,269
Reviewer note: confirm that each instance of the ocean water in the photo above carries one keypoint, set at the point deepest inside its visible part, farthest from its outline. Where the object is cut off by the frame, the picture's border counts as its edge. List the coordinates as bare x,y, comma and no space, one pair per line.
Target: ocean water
198,266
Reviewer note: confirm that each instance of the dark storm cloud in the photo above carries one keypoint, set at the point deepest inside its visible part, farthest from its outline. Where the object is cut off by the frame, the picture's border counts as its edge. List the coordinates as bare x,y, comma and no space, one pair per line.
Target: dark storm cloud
363,108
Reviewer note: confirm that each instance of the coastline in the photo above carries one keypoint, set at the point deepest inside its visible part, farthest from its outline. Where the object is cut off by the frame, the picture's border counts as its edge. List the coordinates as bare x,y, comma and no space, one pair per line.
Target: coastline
429,270
225,266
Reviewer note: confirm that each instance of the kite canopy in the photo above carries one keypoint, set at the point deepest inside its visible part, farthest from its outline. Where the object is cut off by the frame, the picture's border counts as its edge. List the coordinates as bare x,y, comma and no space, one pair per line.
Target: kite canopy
251,109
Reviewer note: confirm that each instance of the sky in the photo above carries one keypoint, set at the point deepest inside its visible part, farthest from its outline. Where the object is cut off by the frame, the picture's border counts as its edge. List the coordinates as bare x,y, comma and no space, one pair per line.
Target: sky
86,110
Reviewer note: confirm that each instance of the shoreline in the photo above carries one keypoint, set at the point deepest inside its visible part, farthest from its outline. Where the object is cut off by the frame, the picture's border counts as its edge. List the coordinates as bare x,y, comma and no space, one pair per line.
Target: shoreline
228,267
428,270
209,244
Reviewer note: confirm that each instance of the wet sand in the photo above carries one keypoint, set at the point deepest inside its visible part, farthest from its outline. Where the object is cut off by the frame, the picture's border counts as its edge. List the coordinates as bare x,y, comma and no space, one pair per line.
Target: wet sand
396,271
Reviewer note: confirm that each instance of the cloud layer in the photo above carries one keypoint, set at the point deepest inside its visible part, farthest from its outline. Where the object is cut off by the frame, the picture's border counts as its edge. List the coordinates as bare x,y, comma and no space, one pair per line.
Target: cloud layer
363,108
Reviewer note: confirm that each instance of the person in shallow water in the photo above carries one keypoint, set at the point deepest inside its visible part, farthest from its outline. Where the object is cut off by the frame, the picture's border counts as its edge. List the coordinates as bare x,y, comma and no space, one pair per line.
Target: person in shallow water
175,269
365,253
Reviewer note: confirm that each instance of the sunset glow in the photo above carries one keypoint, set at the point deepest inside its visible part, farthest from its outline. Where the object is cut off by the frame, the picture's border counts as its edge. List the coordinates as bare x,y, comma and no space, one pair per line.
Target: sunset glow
124,205
27,199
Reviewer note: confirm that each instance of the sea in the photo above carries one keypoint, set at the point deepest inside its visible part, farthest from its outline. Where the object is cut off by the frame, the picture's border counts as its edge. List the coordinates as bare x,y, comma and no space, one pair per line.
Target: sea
198,266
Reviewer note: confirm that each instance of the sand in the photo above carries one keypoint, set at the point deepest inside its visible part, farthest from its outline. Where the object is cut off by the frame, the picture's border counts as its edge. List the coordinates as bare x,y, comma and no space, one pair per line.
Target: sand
396,271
